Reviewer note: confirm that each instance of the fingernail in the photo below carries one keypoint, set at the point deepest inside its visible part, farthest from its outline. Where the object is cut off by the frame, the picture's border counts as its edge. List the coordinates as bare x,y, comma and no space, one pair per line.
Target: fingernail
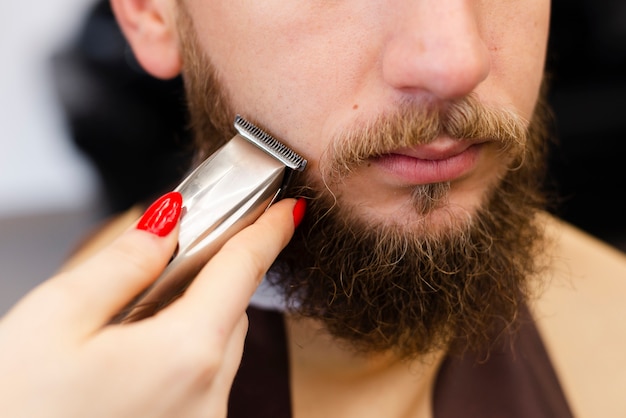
162,216
298,211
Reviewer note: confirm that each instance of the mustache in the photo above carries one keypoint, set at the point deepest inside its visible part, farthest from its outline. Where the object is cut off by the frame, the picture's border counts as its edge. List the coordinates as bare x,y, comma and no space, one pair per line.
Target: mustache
412,125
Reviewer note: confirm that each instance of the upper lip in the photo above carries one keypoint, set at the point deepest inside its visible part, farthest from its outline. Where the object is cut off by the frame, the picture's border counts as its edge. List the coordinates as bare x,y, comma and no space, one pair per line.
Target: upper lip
440,149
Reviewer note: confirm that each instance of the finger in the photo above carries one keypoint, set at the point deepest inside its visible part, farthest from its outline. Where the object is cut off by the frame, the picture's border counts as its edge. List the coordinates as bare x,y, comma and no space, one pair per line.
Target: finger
220,293
86,296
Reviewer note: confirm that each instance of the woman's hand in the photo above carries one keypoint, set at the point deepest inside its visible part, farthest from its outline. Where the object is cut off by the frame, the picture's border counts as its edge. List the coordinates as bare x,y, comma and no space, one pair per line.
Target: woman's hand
59,358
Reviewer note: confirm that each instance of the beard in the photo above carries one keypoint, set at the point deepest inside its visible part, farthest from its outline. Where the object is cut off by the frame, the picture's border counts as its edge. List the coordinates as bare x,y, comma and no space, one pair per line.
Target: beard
433,279
408,285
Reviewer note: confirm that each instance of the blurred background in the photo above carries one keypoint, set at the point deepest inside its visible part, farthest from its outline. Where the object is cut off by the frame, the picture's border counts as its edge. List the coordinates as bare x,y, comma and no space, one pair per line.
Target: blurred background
49,191
87,134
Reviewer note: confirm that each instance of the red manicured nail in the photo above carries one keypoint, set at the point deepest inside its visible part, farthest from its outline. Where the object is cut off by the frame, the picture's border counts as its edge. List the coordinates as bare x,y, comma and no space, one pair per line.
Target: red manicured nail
162,216
298,211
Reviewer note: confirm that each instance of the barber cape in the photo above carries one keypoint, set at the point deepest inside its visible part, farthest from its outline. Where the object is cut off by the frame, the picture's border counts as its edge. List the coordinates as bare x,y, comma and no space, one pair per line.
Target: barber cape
514,380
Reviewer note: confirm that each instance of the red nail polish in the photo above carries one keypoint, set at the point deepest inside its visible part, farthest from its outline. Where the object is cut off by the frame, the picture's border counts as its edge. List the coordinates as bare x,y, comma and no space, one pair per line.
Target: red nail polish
162,216
298,211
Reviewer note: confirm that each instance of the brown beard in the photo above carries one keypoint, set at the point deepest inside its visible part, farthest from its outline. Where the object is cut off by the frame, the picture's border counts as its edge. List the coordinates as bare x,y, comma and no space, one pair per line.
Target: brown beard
413,288
390,286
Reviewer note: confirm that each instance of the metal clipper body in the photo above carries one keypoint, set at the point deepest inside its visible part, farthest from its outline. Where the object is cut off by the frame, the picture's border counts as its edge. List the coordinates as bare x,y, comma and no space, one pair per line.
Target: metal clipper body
226,193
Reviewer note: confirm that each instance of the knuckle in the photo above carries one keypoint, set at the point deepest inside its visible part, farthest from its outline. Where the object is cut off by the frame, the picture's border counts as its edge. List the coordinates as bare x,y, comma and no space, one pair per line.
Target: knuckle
135,258
199,367
58,294
251,262
193,360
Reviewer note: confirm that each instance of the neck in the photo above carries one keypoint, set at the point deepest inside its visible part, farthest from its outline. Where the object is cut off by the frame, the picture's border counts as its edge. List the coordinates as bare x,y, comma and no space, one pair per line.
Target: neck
327,374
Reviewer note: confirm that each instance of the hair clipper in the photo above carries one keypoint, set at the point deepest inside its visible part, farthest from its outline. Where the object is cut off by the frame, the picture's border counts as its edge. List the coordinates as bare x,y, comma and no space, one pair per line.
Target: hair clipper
224,194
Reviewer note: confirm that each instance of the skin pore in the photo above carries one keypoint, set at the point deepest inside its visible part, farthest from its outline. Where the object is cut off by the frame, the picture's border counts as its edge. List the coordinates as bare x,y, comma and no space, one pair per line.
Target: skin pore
386,264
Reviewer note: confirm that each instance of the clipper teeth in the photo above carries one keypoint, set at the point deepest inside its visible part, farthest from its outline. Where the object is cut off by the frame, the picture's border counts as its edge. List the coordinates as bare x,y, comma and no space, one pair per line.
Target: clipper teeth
269,144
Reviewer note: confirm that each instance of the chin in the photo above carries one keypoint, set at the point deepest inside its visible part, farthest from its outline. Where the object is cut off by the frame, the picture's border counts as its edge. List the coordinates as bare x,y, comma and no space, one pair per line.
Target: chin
431,210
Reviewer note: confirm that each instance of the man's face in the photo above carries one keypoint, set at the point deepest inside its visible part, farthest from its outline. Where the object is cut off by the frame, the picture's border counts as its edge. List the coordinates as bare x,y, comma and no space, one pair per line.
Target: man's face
311,71
414,117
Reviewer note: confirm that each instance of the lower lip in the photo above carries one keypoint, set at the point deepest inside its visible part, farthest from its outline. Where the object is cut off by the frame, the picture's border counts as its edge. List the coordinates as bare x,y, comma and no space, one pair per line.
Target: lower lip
417,171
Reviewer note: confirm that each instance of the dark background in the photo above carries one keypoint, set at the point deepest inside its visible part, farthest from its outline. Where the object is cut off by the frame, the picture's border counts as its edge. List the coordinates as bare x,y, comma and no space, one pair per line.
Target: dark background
132,126
587,61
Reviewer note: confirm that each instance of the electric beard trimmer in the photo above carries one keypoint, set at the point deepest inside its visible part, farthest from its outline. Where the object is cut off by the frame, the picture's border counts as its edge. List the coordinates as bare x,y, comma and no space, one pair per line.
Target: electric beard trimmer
226,193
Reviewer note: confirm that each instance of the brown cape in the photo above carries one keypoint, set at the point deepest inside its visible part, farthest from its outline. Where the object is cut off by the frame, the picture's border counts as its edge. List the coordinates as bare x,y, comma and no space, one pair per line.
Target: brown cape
514,381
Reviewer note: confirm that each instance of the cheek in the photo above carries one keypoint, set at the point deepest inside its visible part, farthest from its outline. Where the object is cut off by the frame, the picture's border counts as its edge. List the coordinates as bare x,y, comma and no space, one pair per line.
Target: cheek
288,63
517,41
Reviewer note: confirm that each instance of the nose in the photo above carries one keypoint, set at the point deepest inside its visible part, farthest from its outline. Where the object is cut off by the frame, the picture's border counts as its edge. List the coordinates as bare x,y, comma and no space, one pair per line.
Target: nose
435,46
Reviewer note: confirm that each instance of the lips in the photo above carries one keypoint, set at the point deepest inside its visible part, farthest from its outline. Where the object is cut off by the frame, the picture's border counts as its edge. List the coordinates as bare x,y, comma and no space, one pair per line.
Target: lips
443,160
